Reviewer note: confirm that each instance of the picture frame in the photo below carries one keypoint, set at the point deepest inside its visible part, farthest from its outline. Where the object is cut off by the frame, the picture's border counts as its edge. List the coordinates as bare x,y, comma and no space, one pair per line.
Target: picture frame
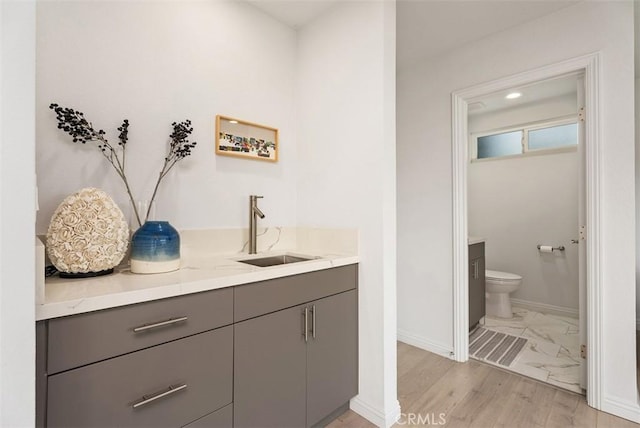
248,140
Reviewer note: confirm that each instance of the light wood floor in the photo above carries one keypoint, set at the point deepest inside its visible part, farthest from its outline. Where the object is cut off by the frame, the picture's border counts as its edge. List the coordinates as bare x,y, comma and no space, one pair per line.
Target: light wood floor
478,395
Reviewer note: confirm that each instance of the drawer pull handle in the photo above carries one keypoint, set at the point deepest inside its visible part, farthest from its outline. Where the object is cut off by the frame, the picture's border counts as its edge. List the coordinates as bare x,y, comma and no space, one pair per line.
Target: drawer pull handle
305,314
476,271
159,324
313,321
149,399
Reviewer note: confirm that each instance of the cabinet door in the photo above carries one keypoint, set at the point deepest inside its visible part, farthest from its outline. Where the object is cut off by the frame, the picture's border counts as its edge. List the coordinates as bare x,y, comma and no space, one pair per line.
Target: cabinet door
332,355
476,291
269,370
41,373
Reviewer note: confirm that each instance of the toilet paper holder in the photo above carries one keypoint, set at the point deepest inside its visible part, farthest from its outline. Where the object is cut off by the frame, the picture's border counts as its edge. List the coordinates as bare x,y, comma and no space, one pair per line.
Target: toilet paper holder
547,247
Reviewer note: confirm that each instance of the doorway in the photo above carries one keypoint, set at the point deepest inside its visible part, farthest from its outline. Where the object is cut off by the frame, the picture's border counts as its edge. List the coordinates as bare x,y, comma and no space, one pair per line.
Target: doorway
589,307
523,213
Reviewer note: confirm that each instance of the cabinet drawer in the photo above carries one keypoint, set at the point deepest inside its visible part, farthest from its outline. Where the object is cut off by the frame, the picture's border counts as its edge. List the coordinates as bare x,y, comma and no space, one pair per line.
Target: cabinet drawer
104,393
222,418
86,338
263,297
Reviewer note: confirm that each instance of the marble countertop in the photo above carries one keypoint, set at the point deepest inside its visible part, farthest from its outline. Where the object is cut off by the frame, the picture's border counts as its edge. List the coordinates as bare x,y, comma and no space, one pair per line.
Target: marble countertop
198,272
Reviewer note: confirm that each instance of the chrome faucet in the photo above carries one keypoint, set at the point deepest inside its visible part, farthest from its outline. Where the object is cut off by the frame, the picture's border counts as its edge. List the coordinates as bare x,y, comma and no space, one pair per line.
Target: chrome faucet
254,212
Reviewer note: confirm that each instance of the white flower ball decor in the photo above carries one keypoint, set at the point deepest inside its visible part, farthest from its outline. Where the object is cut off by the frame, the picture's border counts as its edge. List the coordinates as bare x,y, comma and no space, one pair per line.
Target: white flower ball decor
88,235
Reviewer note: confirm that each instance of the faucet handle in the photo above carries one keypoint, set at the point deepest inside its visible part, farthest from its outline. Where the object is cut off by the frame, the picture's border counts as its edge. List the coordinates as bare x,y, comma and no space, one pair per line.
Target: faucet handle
256,197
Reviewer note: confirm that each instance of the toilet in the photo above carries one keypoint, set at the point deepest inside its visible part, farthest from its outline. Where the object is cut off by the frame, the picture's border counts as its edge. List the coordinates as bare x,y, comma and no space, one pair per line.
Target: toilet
498,287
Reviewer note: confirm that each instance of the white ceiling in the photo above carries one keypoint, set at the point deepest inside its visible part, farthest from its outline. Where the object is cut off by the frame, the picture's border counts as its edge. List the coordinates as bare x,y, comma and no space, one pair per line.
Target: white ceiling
426,28
294,13
552,88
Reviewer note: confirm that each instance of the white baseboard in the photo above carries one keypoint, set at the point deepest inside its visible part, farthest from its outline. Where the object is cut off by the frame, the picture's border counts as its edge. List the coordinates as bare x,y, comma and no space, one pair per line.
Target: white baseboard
621,408
393,417
545,308
426,344
374,415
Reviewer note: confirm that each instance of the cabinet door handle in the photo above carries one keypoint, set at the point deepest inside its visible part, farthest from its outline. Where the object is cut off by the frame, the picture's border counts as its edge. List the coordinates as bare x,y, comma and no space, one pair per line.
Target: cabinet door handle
148,399
159,324
475,274
313,321
305,314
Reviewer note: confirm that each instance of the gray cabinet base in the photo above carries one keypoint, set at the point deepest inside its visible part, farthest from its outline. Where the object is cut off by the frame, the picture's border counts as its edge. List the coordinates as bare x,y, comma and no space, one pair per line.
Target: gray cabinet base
476,284
332,416
222,418
172,362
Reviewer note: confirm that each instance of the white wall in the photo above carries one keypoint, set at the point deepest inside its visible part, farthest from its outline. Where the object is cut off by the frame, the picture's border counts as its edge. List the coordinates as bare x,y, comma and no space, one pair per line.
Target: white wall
330,89
637,129
545,109
425,186
518,203
17,213
346,90
636,18
155,63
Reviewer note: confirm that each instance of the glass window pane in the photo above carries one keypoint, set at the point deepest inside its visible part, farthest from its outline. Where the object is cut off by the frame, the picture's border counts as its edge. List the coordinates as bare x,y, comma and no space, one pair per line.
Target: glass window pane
508,143
556,136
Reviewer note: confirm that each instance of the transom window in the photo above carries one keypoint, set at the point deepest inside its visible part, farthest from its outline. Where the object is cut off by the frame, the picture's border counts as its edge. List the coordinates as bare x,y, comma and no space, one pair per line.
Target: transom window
547,137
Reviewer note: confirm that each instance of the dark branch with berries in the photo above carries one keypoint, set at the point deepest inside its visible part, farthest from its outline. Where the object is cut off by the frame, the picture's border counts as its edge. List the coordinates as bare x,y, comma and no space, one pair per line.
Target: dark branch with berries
81,130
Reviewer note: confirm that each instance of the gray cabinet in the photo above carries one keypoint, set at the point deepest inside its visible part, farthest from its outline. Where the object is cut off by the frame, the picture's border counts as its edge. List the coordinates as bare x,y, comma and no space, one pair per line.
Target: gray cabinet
332,355
295,366
269,370
222,418
163,363
476,284
277,353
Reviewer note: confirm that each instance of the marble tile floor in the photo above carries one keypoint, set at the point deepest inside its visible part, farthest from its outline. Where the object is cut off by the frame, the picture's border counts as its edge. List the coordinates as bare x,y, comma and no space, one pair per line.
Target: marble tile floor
552,353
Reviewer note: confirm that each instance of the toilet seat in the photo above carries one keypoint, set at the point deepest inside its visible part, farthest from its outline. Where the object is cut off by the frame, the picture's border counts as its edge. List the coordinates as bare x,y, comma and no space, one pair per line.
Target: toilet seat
498,276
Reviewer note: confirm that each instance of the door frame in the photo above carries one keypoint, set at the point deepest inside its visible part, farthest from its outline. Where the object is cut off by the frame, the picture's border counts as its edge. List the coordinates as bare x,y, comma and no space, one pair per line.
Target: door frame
590,66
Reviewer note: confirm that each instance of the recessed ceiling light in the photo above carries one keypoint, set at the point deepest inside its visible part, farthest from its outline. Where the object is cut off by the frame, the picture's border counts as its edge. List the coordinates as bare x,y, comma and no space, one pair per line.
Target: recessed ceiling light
513,95
233,121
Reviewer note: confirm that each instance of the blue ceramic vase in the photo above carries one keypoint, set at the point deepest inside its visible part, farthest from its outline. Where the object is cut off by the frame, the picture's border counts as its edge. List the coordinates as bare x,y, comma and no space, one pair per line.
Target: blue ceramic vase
155,248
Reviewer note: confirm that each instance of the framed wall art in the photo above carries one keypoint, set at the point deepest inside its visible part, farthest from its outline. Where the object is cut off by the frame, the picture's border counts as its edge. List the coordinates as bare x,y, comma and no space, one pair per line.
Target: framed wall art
235,137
